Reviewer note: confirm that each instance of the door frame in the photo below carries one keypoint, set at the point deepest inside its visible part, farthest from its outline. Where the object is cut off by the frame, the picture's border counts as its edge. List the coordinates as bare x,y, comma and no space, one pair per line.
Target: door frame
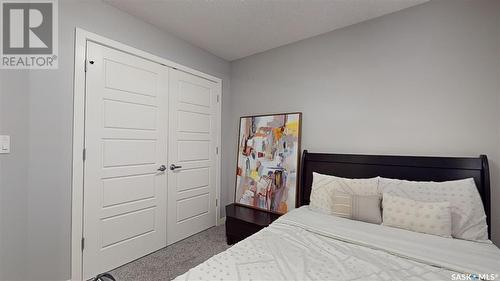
77,174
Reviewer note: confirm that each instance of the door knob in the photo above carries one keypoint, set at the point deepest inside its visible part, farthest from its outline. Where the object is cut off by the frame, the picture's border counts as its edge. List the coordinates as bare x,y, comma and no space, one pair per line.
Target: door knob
173,167
162,168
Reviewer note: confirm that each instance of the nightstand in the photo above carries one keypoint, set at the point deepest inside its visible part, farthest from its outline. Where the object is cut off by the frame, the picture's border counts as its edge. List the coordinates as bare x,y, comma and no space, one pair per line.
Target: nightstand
242,222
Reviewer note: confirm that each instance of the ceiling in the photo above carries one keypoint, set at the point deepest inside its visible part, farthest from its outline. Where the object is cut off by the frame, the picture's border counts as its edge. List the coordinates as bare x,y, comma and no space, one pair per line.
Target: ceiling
233,29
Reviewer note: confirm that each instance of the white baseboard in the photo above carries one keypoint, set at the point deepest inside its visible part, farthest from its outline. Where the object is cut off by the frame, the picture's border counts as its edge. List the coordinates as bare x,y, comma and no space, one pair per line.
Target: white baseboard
221,221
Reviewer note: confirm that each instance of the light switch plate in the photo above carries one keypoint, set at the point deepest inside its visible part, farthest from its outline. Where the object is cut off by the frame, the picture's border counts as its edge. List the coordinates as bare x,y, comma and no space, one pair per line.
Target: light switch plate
4,144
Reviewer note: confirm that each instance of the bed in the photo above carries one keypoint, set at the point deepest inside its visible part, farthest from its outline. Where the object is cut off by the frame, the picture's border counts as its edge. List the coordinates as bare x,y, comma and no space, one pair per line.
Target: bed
307,245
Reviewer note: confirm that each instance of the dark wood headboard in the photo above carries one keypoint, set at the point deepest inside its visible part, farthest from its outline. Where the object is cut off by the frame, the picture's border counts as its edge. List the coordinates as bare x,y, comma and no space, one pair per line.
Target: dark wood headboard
415,168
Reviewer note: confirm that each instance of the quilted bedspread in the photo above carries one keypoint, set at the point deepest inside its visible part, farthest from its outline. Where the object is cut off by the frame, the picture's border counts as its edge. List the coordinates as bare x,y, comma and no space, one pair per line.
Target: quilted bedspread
306,245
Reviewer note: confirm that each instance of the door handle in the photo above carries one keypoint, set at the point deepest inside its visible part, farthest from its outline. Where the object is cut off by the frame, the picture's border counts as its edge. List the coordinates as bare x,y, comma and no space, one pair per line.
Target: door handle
162,168
173,167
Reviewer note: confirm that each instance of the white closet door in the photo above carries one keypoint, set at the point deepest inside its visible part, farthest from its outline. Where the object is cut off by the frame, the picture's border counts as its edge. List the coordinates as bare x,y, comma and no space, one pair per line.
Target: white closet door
192,155
125,131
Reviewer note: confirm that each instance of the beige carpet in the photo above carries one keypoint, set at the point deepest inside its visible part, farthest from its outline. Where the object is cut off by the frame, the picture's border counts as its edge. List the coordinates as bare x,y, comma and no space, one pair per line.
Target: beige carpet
176,259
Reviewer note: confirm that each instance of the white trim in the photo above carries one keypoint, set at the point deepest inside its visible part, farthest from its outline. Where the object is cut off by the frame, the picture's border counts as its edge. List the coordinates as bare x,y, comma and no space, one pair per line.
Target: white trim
78,145
142,54
221,221
81,38
219,153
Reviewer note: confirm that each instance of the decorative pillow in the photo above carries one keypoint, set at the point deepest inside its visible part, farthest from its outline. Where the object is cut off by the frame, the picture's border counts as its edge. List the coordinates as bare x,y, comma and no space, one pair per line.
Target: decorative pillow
467,212
426,217
357,207
324,186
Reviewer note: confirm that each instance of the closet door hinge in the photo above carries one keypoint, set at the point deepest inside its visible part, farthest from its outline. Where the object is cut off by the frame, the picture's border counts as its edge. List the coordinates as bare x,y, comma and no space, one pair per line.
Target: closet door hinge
83,243
217,150
216,202
85,66
84,154
218,99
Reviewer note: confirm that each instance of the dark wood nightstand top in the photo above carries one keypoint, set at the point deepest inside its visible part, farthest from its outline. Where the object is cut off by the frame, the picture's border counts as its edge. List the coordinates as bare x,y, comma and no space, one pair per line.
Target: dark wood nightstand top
253,216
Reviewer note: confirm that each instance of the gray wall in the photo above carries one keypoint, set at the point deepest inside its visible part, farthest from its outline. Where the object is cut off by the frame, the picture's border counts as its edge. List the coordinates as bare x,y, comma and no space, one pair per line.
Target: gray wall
36,109
14,120
422,81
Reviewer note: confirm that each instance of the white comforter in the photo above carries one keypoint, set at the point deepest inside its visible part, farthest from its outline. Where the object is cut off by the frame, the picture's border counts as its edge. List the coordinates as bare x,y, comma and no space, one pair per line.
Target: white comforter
306,245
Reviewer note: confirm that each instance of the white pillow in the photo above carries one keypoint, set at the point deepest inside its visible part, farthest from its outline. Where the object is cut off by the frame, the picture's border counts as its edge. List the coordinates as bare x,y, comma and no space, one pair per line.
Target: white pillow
426,217
468,218
324,186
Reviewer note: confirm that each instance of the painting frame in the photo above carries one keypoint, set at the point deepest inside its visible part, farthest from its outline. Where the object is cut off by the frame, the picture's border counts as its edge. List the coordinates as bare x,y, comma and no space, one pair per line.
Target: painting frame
298,152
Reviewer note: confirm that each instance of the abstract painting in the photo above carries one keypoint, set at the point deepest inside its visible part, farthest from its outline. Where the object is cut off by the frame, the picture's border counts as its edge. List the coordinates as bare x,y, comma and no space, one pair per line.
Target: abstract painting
268,159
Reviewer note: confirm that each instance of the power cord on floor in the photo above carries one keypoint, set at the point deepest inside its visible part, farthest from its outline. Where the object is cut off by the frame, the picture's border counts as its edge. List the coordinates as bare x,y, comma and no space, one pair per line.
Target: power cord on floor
106,276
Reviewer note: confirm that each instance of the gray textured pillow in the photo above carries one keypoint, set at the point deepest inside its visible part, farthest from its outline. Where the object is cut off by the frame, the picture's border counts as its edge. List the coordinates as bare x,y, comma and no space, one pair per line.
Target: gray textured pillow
357,207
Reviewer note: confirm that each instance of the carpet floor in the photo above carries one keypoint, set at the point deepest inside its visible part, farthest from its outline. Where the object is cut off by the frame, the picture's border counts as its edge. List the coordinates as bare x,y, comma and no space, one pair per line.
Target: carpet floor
176,259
